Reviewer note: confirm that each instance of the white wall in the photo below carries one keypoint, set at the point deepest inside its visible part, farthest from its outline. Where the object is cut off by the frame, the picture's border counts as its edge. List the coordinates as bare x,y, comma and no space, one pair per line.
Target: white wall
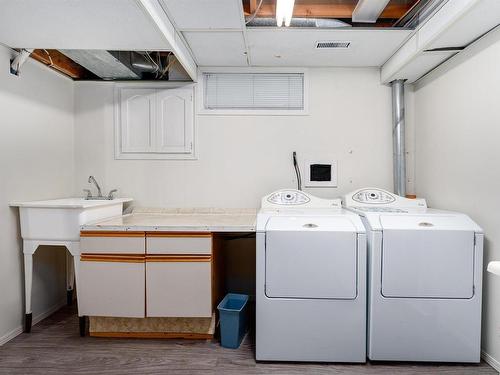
36,162
458,154
242,158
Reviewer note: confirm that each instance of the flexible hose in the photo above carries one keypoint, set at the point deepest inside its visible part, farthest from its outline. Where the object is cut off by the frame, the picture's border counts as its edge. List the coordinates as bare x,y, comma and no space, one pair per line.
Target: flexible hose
297,171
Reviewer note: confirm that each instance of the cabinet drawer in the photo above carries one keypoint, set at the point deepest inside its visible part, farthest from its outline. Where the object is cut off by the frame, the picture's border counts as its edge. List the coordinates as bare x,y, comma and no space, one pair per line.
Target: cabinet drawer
112,243
179,287
160,243
112,286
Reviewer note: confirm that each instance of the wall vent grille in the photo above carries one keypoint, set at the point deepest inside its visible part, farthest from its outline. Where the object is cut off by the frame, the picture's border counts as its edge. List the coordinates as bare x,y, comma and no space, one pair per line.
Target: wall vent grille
332,44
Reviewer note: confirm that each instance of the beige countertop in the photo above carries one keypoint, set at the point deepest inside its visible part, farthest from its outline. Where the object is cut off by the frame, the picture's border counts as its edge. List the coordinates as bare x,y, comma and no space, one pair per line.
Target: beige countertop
180,220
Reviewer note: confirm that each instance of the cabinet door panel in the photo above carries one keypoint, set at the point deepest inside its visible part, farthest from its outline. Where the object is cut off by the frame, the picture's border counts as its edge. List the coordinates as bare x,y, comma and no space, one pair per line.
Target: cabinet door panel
178,289
175,120
111,288
137,117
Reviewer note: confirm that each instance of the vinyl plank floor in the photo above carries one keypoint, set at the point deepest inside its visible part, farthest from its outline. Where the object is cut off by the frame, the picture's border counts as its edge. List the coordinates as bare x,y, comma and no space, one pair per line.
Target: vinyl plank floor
55,347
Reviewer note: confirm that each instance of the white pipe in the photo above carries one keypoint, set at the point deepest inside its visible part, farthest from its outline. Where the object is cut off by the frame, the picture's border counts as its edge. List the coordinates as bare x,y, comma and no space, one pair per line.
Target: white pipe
368,11
19,60
398,136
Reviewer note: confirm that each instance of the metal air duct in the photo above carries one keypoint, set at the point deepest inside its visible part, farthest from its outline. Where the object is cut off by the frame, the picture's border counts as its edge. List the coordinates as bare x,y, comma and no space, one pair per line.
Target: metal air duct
398,136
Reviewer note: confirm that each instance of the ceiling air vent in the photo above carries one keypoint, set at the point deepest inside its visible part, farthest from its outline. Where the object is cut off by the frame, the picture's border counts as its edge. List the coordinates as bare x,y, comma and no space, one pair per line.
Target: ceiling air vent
332,44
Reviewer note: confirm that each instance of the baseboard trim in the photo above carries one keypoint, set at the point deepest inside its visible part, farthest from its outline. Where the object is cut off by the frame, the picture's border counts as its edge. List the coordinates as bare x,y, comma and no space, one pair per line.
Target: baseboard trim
36,319
491,361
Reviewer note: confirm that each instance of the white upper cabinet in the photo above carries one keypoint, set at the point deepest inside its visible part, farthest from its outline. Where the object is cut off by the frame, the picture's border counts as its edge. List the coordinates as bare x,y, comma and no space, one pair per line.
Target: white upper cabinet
137,111
175,116
153,123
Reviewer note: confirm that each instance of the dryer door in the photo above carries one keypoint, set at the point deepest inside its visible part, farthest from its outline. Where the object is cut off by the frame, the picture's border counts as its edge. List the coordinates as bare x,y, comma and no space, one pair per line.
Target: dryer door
311,257
427,257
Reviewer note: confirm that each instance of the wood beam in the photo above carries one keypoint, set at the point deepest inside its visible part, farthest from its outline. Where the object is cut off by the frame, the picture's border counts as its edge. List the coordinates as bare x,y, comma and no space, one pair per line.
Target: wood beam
253,6
392,11
60,62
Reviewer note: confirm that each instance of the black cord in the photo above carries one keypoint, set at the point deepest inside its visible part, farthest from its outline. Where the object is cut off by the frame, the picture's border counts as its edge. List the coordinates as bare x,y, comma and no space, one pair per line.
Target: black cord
297,171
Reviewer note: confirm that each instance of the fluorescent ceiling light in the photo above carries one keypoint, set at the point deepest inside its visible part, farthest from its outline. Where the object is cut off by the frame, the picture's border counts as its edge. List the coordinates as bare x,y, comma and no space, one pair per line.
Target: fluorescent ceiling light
284,12
368,10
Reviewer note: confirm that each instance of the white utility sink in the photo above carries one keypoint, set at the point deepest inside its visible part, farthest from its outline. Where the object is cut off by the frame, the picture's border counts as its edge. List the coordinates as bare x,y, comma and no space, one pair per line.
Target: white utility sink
60,219
57,223
494,268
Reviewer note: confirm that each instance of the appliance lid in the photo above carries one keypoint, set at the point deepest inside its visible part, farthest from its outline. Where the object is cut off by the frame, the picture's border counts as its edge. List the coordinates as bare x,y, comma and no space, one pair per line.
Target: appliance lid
311,223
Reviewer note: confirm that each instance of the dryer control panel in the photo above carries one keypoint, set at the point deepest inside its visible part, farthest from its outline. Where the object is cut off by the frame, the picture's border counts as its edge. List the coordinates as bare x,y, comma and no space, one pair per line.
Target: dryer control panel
379,200
371,196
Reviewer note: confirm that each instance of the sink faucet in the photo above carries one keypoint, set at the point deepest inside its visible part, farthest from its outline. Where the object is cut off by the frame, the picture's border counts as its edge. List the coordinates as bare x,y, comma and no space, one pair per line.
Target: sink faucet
110,195
92,180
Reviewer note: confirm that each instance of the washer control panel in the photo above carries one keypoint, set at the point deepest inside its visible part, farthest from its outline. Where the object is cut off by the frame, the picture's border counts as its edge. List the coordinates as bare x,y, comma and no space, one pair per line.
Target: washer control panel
373,196
296,199
288,198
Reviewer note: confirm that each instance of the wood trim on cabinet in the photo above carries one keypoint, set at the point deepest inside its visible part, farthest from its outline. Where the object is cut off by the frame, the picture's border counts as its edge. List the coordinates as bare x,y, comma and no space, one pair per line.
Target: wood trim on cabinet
178,258
154,335
179,234
111,234
113,258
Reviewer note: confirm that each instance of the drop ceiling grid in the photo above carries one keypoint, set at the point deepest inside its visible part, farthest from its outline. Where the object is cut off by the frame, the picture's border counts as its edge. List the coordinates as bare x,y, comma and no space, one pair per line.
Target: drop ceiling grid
216,34
244,30
214,30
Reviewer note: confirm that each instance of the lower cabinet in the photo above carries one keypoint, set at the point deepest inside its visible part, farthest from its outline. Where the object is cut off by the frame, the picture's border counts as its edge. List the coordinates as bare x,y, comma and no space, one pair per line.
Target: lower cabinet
178,286
137,283
112,286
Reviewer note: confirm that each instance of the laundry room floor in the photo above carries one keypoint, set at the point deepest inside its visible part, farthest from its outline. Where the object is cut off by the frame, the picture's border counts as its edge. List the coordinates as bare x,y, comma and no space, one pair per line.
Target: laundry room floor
55,347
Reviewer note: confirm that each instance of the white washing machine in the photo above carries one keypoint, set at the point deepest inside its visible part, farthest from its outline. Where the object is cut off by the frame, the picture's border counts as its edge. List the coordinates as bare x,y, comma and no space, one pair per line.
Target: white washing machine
311,280
424,279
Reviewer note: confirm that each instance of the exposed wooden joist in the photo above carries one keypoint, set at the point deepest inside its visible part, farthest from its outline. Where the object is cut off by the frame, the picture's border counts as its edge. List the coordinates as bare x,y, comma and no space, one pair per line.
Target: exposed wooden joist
253,5
60,62
392,11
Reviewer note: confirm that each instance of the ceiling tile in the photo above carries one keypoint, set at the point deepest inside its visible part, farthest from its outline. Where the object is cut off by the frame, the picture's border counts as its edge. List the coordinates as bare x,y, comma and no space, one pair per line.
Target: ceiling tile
294,47
78,24
205,14
212,48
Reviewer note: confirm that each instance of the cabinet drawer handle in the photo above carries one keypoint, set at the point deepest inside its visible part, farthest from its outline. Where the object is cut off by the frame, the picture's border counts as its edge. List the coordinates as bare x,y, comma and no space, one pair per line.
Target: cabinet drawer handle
178,234
117,258
112,234
178,258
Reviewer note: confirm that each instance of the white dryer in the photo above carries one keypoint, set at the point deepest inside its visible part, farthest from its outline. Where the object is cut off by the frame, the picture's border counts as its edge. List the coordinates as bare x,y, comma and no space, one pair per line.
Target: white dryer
311,280
425,279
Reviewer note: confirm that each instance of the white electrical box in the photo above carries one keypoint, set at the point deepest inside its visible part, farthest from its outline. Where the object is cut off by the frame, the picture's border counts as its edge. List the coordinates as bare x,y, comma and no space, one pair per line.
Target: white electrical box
320,173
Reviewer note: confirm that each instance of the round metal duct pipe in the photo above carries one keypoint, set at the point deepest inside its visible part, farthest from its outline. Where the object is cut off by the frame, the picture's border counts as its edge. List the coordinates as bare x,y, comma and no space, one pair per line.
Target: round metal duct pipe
398,136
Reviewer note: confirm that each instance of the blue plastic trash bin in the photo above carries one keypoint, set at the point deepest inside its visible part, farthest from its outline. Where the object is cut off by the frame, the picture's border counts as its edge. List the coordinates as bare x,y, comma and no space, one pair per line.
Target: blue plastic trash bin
233,311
